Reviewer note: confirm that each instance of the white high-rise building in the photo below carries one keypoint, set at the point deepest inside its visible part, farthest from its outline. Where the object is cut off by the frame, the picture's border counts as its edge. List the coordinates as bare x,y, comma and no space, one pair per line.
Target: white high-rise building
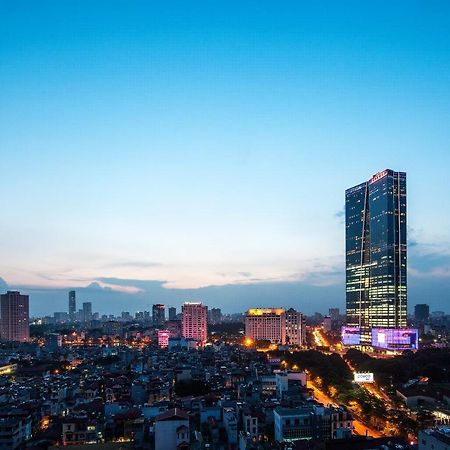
275,325
266,324
295,327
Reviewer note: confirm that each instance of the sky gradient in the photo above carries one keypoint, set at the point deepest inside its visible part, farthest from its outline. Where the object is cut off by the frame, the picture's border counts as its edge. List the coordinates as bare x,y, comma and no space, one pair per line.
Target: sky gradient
161,148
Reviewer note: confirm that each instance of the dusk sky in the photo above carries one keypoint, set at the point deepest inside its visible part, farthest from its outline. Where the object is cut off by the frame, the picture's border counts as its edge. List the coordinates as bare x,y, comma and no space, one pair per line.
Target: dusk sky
200,150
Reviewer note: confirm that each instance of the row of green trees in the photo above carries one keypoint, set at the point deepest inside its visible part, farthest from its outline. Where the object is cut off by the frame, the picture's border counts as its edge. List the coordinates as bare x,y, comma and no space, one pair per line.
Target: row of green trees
334,375
431,363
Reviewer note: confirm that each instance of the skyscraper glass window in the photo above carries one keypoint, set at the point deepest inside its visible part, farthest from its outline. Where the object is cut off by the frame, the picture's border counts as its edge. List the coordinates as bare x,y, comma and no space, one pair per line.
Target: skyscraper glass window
375,220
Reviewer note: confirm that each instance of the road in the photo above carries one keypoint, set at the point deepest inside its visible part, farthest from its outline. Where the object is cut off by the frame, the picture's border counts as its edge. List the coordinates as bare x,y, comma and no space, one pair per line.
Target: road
319,338
359,427
378,393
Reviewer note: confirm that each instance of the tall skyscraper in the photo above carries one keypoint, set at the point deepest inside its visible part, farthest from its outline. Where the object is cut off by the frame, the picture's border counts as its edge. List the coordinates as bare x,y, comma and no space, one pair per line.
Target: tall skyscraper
87,311
334,314
194,321
375,220
72,304
172,313
14,309
159,314
422,312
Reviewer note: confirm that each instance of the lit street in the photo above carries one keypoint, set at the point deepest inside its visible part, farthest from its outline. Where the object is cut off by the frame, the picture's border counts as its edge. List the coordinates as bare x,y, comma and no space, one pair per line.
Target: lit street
359,427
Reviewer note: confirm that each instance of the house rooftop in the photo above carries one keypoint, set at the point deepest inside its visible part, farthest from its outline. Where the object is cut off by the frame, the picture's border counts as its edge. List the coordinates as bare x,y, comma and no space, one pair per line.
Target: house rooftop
172,414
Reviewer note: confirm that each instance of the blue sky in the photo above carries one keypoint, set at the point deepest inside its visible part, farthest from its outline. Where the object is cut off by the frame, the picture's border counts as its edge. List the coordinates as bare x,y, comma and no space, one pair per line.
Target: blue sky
158,148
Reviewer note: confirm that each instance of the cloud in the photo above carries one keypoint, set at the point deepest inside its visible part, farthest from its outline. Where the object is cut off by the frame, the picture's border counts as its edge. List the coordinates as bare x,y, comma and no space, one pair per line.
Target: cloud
340,215
314,285
245,274
239,297
136,264
429,260
96,285
313,272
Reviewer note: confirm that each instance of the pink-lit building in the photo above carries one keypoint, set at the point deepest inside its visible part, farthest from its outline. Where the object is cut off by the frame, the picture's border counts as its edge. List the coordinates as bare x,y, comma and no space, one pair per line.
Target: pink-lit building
14,310
194,321
163,338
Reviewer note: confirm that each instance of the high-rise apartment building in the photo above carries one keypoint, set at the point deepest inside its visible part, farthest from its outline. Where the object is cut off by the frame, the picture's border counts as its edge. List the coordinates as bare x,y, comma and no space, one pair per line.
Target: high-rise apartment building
422,312
266,324
87,311
14,309
126,316
159,314
276,325
72,304
334,314
295,324
327,324
172,313
215,316
375,220
194,321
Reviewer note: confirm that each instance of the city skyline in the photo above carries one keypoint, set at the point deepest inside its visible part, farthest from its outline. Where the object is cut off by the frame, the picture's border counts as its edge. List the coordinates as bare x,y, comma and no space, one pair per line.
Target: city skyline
224,225
139,289
161,153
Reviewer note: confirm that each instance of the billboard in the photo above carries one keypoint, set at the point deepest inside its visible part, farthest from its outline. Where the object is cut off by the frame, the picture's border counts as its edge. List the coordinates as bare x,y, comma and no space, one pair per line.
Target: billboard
395,338
363,377
350,335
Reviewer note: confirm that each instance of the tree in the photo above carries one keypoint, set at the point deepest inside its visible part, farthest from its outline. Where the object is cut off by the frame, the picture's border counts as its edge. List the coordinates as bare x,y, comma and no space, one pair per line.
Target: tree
191,387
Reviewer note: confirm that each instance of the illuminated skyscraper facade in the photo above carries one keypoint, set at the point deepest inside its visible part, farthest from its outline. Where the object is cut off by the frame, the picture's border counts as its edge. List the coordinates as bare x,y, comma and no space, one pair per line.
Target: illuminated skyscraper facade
376,259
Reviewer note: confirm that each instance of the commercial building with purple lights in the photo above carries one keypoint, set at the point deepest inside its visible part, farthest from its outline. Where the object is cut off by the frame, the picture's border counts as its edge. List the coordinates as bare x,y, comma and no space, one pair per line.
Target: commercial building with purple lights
395,339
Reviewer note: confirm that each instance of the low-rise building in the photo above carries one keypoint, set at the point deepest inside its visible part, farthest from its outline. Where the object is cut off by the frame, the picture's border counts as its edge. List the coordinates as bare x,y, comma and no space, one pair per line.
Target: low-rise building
230,424
172,430
310,422
283,379
250,424
14,432
80,431
434,439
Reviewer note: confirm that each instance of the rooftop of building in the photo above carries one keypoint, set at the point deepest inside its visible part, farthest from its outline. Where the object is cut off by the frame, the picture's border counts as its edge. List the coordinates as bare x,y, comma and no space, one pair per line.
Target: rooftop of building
442,434
299,411
264,311
364,443
172,414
